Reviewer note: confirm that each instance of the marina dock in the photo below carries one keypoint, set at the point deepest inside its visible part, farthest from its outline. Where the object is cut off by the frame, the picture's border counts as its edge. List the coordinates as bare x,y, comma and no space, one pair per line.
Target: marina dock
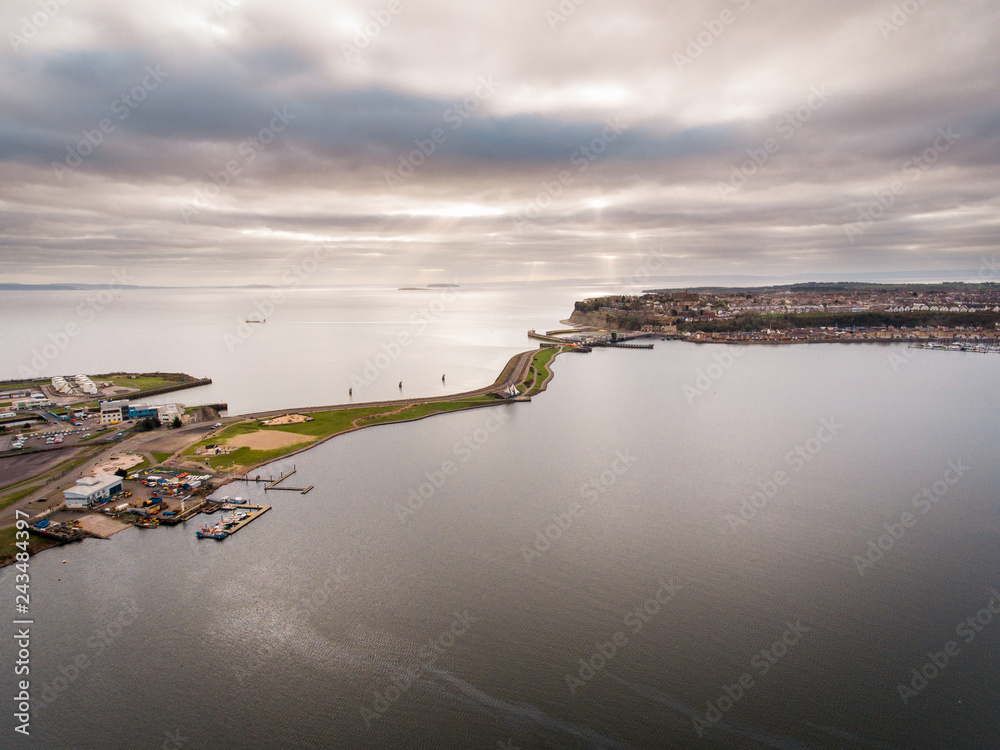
270,483
226,527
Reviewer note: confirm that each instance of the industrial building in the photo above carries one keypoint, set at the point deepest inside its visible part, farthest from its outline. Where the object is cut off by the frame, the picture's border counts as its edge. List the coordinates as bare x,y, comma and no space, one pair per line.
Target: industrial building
115,411
120,410
91,491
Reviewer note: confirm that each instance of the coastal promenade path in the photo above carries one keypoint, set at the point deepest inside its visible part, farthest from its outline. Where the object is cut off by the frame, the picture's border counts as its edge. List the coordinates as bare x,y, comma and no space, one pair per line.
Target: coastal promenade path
513,373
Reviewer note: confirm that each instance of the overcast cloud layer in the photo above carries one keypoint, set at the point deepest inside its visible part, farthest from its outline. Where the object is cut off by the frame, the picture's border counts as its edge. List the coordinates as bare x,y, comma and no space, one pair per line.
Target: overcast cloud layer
206,142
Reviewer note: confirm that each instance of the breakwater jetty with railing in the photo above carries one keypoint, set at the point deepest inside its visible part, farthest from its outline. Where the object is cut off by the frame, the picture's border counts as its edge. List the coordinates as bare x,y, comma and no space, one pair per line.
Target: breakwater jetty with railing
270,483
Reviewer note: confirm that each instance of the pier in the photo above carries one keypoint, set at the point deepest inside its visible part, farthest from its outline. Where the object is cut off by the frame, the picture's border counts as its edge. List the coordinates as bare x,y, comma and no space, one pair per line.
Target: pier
616,345
223,529
270,483
546,337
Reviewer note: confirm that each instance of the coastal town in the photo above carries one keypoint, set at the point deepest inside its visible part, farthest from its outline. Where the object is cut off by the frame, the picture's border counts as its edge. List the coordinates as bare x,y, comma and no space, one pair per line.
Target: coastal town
933,315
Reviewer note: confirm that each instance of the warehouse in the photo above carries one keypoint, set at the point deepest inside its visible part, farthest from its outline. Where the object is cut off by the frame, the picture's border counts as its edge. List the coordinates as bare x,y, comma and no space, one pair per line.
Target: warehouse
91,491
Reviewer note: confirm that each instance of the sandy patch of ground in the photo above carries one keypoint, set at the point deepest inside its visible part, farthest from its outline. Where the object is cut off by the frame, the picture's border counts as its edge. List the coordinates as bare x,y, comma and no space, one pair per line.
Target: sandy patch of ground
289,419
267,440
119,462
102,526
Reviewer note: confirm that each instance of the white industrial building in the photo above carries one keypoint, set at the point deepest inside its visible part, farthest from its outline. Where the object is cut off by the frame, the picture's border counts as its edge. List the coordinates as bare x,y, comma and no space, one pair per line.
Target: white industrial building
92,490
85,384
167,413
59,384
115,411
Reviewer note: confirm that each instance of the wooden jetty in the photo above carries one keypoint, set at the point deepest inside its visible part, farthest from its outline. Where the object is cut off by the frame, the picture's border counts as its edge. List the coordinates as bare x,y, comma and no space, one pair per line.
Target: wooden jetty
270,483
258,511
209,531
301,490
269,479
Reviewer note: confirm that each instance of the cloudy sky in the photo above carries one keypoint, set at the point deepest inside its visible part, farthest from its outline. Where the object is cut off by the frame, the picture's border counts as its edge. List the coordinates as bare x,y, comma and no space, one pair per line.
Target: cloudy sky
212,141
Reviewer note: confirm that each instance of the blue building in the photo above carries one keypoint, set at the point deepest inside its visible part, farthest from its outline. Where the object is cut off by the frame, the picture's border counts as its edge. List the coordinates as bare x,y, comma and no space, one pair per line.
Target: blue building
141,411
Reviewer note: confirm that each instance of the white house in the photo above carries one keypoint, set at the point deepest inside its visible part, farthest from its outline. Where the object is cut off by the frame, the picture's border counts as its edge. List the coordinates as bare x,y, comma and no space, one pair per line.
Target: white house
92,490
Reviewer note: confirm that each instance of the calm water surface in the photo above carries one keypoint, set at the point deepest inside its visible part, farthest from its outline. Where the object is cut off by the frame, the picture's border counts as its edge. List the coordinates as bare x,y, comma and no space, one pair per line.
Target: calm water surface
315,345
305,630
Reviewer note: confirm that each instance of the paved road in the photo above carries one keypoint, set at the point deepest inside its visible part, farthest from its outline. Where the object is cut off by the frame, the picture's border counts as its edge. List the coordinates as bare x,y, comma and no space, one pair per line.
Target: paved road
133,443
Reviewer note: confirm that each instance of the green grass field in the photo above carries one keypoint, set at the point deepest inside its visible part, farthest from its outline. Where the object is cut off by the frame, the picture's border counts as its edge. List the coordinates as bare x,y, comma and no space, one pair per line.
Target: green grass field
139,467
540,364
33,384
161,457
141,382
8,548
15,496
325,424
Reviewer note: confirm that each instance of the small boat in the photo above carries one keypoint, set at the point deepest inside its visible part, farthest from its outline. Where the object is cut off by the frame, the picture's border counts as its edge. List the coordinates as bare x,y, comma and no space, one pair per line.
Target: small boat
208,531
